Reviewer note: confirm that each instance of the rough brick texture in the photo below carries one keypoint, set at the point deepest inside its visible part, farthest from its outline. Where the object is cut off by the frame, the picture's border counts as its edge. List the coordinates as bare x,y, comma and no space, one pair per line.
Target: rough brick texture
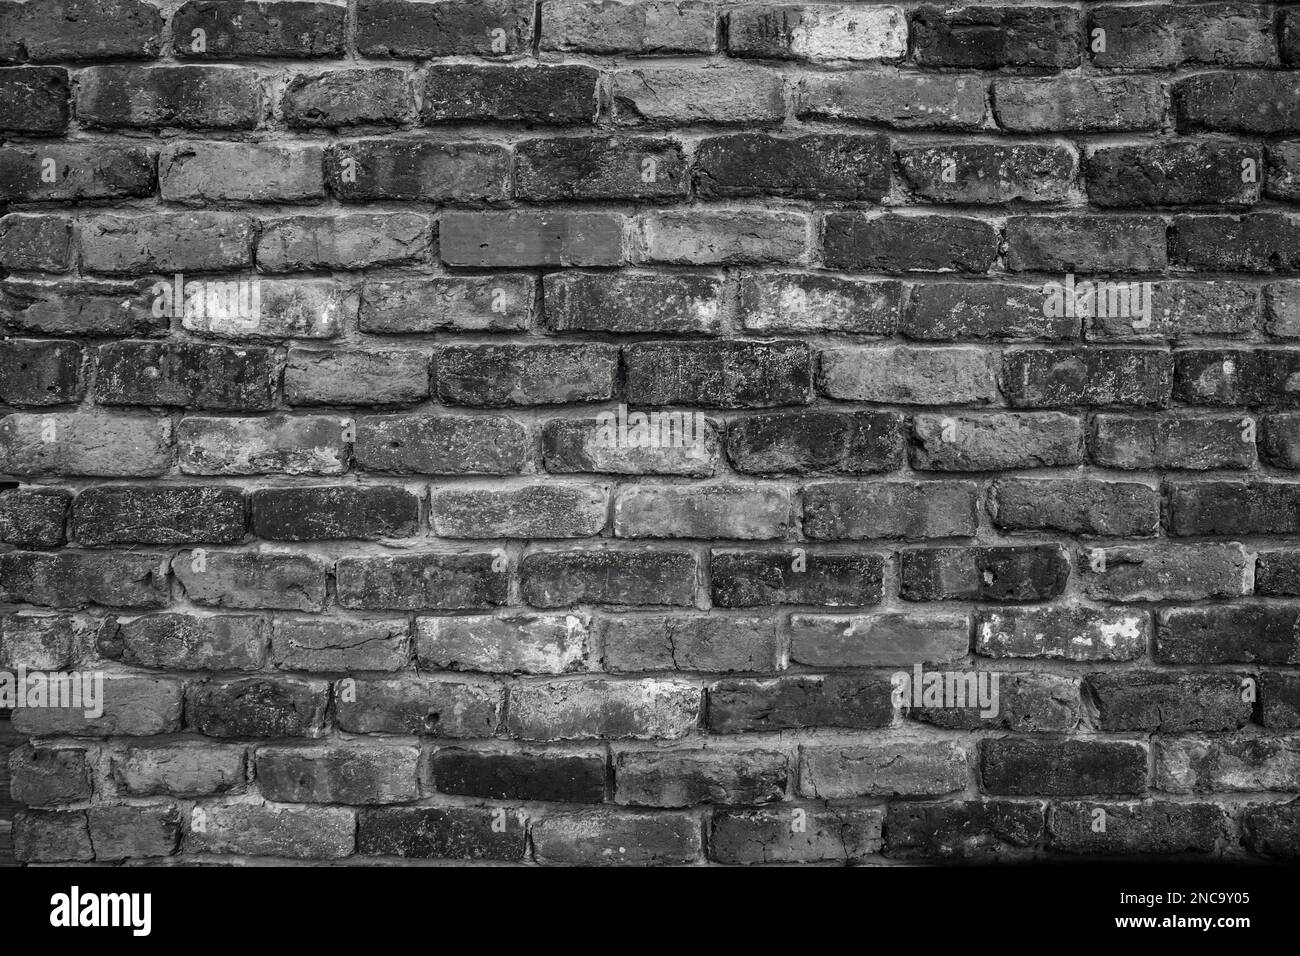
564,432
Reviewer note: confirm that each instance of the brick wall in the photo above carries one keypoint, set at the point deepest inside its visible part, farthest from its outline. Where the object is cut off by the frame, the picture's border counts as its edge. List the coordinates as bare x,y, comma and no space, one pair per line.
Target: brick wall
368,575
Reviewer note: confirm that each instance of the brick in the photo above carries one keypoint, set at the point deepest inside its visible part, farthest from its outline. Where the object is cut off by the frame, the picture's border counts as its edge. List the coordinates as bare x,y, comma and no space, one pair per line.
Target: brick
1073,633
606,576
735,374
275,445
158,514
587,445
35,373
662,96
529,511
188,97
799,302
163,243
905,768
1259,103
41,776
585,709
1037,378
503,375
1151,827
233,29
457,833
133,706
548,95
72,578
757,578
787,703
988,174
713,643
526,238
979,830
43,836
257,707
186,642
80,172
1019,702
35,243
341,98
91,443
903,375
437,708
352,241
35,99
1016,573
397,28
1168,703
495,303
436,444
818,32
372,377
42,641
654,27
723,237
952,311
1050,767
1277,572
1076,506
186,374
918,243
1232,507
838,510
861,442
130,832
82,30
765,835
819,166
297,833
1232,764
1270,829
996,441
551,776
685,778
1174,572
452,173
182,769
597,167
1244,634
1084,104
1263,242
617,837
252,579
1217,34
716,511
283,308
893,99
90,308
889,639
33,517
1235,377
1172,174
520,643
407,582
1135,442
1028,38
632,302
1082,243
240,172
314,644
1282,179
326,512
352,775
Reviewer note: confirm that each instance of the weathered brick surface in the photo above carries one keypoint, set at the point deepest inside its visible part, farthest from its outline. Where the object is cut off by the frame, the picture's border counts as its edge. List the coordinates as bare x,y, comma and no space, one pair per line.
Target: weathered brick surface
557,433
